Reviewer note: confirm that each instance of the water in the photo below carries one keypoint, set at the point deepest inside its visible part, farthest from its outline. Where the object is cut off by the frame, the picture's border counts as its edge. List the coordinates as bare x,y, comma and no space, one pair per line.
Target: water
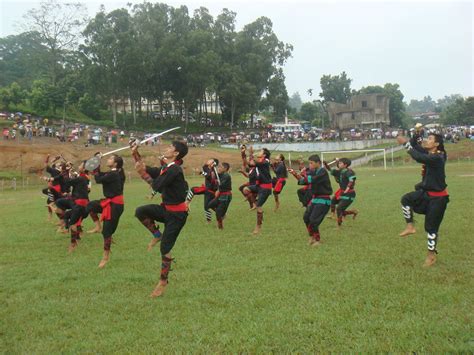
316,146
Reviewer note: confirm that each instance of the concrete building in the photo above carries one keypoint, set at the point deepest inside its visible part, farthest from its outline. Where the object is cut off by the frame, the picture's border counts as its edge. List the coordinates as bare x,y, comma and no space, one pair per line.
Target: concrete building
362,111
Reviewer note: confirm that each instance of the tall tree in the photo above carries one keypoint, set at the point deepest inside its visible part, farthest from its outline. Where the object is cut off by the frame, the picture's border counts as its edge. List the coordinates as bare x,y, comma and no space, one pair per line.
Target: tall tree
295,101
58,25
336,88
22,59
461,112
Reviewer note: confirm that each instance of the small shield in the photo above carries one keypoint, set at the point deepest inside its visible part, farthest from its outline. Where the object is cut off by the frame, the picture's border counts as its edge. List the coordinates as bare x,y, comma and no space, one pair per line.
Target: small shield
92,164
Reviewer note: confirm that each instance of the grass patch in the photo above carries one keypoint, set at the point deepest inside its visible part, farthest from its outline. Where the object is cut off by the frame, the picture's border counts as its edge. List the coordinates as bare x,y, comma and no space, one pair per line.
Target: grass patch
364,290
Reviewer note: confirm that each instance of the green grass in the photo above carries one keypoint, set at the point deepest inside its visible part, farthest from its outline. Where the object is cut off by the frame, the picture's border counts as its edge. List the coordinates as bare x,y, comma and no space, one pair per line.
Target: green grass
363,290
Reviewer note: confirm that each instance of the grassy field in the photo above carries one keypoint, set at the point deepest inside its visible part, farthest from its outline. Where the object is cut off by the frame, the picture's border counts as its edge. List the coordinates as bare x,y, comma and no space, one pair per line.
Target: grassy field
363,290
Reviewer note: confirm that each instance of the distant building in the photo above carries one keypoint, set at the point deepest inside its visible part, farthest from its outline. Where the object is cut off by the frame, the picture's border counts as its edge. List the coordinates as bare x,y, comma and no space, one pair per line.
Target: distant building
362,111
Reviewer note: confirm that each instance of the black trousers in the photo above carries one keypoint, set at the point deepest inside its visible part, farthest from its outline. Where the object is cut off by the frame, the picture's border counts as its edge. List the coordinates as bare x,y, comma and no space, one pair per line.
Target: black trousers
304,196
314,215
73,212
109,226
220,205
262,196
432,207
173,221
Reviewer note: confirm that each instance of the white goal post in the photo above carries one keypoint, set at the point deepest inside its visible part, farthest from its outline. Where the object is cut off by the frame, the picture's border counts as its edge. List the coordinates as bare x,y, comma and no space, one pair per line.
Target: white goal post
360,151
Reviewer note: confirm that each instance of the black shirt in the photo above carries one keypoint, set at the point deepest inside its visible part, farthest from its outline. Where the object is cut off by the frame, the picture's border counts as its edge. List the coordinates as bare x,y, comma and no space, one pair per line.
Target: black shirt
263,172
112,183
344,177
319,181
434,178
280,170
226,182
80,187
210,180
169,181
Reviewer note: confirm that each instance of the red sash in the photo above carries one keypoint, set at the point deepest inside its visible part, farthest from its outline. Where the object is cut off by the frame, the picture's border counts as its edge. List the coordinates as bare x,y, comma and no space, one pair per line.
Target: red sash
223,193
338,193
266,186
81,202
56,188
279,184
438,193
107,209
182,207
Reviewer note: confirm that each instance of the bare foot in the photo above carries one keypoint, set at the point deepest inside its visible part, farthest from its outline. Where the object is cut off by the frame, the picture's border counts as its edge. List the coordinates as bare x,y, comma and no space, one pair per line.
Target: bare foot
95,230
316,243
430,259
356,212
408,230
72,247
152,243
105,259
257,230
61,230
310,240
103,262
159,289
253,207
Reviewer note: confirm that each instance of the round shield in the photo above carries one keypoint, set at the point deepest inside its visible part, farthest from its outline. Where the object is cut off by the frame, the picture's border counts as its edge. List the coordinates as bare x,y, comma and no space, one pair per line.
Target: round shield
92,164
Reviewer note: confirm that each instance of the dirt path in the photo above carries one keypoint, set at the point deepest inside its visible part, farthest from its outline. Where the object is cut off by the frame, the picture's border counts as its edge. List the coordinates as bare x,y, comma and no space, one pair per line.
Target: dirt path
30,155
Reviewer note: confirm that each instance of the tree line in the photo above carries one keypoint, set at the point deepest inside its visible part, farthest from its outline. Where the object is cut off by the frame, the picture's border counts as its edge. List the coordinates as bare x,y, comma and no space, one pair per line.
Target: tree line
151,52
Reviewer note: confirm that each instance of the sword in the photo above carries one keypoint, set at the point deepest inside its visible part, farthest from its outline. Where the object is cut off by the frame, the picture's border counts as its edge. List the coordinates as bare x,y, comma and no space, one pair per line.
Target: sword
94,162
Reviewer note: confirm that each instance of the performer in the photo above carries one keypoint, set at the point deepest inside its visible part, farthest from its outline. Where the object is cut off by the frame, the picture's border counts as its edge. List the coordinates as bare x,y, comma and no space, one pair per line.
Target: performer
318,179
221,202
249,189
345,195
74,208
430,196
279,181
173,212
304,193
208,189
53,191
111,207
264,183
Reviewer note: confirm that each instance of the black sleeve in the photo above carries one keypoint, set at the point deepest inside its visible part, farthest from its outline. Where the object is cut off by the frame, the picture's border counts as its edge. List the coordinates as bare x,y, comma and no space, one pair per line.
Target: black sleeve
153,172
225,182
101,178
72,182
425,158
160,182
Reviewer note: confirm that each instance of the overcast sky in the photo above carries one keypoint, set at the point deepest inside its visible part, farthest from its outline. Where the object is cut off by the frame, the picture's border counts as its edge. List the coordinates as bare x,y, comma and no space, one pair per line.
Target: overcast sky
425,46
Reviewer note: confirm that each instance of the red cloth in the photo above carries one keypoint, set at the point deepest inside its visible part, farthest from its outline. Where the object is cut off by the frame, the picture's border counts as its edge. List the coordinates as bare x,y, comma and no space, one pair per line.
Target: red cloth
81,202
279,185
107,209
338,193
56,188
266,186
225,193
438,193
182,207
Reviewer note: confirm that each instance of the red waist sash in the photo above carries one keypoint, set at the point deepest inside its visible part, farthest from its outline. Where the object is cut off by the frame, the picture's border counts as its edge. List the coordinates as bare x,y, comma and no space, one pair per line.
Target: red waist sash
81,202
107,209
182,207
56,188
438,193
223,193
266,186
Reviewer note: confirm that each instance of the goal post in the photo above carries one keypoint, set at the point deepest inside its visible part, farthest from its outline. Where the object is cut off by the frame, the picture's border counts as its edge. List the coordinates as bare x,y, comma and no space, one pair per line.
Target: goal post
363,159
